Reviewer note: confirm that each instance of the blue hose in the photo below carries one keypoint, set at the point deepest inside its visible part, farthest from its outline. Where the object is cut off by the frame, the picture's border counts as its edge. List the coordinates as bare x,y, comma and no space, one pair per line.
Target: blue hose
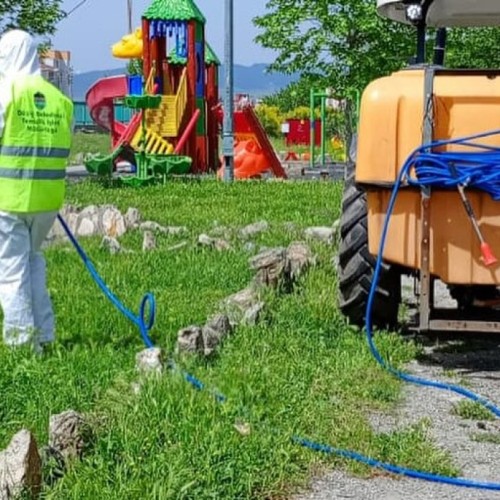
426,165
474,169
147,303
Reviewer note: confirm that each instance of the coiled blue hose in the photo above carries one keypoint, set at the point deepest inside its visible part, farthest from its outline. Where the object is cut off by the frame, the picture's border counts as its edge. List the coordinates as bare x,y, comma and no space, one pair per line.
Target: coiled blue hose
431,169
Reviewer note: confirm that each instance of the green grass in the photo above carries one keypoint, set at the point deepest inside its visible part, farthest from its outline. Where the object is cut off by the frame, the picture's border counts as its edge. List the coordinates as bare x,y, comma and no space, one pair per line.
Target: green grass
84,143
300,372
486,437
279,143
470,410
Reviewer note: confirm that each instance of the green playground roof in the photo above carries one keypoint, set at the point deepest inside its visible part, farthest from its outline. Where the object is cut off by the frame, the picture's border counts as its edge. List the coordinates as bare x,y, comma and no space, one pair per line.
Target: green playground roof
174,10
210,57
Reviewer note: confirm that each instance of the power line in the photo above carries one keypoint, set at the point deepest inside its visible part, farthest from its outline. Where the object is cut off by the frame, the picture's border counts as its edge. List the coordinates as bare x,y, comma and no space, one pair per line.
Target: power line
77,6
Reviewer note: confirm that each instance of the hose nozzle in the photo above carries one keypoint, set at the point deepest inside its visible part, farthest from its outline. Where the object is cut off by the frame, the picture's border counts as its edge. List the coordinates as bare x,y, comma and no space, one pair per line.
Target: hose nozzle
487,253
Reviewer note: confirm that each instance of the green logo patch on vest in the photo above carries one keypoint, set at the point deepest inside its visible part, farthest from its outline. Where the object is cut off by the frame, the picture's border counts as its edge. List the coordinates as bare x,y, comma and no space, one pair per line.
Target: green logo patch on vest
40,101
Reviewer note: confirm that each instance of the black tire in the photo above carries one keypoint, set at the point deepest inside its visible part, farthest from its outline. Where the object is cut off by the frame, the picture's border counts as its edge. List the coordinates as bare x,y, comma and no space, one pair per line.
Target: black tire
356,265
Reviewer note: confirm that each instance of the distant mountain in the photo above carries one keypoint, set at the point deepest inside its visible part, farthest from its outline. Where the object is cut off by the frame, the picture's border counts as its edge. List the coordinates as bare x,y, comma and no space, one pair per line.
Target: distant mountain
247,80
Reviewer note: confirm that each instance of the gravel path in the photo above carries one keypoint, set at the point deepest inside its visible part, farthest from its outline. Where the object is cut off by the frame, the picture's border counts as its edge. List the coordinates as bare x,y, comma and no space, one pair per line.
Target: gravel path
451,359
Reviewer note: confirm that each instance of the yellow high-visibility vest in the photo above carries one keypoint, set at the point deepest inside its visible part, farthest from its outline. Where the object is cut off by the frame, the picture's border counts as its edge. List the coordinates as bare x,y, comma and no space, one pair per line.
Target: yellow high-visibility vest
34,148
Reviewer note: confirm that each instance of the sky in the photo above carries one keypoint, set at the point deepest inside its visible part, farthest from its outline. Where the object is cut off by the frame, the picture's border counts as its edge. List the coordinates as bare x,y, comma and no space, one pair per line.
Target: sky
91,30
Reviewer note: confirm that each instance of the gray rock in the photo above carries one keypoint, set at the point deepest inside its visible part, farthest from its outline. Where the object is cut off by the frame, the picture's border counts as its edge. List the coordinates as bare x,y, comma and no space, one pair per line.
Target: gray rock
220,323
113,223
170,230
205,240
190,340
132,218
222,245
67,210
20,467
243,299
86,227
336,225
148,241
176,230
321,233
254,229
149,361
72,222
211,340
111,244
300,258
93,213
253,315
68,434
217,243
272,267
215,331
237,305
267,258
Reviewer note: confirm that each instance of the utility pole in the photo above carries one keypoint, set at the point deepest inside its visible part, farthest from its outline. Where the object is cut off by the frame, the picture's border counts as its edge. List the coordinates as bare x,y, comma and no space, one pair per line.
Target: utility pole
129,15
228,127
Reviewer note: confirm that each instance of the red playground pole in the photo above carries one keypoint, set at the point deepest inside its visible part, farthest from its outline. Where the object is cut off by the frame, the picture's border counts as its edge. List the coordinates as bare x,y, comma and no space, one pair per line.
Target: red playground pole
187,132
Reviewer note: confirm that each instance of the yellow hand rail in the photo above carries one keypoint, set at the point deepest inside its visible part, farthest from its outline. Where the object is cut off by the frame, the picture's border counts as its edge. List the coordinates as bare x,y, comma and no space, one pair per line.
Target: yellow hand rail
150,82
181,99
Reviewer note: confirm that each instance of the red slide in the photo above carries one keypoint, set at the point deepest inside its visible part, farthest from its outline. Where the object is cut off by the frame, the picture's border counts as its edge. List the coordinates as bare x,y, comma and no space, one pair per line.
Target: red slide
100,103
254,153
253,123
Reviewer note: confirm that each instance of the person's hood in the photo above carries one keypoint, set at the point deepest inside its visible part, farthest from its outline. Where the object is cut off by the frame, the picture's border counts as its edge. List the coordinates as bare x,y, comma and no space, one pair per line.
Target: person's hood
18,55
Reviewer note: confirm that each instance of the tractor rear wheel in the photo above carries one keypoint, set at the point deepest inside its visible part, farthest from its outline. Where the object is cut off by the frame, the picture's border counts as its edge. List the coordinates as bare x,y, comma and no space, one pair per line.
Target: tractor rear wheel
356,265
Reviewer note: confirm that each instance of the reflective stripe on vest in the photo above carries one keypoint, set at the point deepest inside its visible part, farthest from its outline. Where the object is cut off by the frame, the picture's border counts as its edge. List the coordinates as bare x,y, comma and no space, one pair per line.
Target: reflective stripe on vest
39,174
39,152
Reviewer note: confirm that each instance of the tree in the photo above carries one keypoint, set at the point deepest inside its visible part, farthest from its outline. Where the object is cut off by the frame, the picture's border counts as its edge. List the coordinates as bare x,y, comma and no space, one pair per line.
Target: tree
473,48
347,44
38,17
295,95
344,42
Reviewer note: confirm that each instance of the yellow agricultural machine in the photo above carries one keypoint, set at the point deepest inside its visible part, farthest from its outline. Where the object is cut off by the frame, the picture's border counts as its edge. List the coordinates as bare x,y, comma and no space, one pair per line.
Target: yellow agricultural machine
434,133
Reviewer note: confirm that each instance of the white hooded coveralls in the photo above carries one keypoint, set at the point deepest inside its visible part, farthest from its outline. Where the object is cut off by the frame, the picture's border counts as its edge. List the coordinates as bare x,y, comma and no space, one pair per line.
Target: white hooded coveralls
24,298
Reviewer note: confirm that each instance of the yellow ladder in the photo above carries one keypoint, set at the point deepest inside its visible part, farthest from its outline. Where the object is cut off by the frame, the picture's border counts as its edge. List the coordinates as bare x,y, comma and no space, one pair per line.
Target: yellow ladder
155,144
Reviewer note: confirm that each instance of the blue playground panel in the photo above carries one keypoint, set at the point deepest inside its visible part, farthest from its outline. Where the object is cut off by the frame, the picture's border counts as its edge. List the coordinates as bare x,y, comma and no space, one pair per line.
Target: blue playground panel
82,115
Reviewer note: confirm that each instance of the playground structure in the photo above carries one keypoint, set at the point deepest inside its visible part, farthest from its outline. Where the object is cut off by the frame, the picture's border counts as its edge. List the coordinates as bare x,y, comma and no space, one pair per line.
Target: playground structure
175,129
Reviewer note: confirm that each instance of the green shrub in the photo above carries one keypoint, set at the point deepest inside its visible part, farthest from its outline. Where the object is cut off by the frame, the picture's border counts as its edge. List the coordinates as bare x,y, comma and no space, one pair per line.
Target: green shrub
270,118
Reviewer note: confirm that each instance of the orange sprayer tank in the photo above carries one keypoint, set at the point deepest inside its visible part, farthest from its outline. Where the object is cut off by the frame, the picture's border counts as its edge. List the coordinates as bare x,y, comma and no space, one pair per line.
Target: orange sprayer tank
391,127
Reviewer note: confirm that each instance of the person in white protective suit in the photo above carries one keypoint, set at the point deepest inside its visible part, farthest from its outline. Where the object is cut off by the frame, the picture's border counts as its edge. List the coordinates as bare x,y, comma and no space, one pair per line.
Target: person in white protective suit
35,137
